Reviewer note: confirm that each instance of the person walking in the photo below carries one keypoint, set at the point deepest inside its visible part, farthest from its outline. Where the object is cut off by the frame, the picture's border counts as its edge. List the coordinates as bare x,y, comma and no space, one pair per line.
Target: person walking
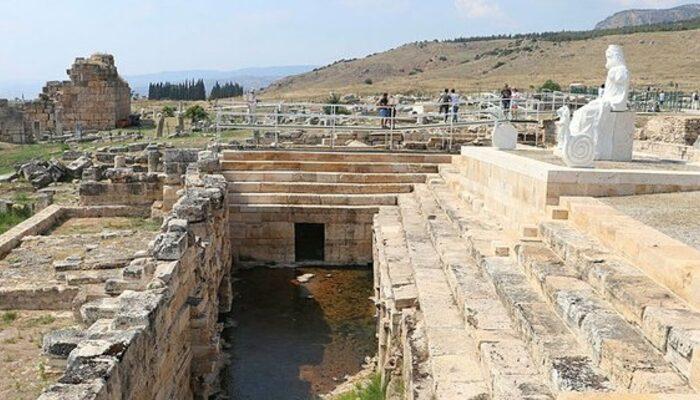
506,96
455,100
444,102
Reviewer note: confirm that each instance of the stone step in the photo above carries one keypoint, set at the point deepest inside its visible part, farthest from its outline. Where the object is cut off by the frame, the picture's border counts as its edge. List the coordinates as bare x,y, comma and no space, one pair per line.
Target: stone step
317,188
553,282
498,309
301,208
618,347
335,156
313,199
322,177
666,321
315,166
452,354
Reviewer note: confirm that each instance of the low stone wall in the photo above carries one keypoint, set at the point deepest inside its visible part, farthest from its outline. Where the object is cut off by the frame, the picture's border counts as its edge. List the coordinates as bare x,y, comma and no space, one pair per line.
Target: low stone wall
51,215
676,129
668,150
266,234
126,193
161,342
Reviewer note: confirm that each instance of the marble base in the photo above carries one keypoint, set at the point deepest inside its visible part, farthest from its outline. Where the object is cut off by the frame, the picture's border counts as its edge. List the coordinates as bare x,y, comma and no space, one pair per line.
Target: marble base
616,139
504,136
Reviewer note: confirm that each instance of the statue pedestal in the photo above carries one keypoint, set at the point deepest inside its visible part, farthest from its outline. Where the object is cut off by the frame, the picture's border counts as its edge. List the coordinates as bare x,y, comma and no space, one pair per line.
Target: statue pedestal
616,137
504,136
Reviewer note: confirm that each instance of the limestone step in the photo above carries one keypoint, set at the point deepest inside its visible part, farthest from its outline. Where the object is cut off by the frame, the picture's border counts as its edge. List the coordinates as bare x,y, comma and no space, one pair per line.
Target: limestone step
335,156
505,310
253,209
322,177
313,199
315,166
555,306
317,188
452,354
665,320
619,348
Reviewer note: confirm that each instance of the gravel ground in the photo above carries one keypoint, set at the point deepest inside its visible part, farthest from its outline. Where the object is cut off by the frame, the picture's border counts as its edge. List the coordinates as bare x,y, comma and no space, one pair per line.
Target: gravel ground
638,163
675,214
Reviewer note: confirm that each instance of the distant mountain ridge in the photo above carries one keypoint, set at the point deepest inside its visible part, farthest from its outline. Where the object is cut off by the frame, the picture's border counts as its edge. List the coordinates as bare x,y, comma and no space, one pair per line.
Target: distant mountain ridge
649,16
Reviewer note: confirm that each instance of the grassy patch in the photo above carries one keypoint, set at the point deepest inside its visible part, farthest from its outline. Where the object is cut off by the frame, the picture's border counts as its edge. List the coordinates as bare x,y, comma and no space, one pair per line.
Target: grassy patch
10,219
41,320
8,317
371,391
17,154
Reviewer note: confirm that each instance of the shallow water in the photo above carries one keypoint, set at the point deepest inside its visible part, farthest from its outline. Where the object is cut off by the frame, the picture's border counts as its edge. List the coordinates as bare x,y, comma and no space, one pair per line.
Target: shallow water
296,341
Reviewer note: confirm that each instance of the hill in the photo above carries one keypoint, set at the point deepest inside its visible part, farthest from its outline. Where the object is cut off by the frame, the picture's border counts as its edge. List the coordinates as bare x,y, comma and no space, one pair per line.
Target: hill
650,16
657,58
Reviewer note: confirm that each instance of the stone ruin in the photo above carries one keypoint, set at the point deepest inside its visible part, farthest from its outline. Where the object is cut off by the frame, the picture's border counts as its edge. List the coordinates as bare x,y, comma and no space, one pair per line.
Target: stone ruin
497,275
95,98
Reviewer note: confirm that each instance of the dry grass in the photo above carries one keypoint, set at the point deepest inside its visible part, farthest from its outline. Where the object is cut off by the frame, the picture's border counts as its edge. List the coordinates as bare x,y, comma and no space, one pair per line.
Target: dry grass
656,58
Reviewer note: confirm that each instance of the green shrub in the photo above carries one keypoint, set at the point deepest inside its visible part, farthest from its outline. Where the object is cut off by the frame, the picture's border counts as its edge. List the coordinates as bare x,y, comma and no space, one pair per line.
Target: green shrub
551,86
169,111
368,81
196,113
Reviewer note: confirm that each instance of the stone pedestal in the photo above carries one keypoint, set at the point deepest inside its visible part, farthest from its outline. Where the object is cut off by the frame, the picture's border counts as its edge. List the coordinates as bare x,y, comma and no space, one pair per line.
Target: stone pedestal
616,137
504,137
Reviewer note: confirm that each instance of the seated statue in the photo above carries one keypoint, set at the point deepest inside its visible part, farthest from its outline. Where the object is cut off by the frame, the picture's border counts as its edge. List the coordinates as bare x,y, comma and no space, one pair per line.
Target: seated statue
598,120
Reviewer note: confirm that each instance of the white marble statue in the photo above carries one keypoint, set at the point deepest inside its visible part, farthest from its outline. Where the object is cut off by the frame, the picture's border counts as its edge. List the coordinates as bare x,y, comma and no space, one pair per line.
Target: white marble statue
563,131
605,120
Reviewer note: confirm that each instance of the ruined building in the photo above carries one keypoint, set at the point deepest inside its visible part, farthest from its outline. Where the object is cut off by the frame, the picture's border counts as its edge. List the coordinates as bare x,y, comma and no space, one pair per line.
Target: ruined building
94,98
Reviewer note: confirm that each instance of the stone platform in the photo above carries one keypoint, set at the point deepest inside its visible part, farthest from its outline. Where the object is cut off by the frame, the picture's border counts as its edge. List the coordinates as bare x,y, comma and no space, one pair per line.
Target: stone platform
523,183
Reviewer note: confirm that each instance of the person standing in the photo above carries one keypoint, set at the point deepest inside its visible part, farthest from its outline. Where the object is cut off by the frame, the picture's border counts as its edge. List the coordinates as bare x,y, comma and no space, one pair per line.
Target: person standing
252,101
696,100
601,90
506,96
662,98
444,102
455,100
383,107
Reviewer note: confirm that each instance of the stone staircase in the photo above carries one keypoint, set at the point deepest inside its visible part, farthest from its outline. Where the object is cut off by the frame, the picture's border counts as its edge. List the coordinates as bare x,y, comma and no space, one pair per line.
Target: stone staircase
324,178
543,316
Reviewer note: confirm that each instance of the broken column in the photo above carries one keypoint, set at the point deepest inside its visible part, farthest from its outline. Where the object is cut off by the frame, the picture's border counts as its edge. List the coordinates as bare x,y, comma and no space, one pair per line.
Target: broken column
161,124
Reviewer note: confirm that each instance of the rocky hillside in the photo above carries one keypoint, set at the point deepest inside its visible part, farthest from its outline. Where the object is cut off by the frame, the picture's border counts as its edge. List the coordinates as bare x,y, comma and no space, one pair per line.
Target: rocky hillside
655,58
650,16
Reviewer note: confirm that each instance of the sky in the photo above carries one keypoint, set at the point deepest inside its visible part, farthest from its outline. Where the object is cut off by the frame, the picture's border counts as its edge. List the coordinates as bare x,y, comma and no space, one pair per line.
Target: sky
40,38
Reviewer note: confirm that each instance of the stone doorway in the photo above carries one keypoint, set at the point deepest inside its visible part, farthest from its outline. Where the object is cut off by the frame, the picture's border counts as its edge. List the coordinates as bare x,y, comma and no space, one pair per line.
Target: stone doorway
309,242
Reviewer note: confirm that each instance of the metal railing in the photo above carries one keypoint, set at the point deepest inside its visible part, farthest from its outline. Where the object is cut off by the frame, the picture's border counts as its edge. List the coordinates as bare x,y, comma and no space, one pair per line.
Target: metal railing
440,118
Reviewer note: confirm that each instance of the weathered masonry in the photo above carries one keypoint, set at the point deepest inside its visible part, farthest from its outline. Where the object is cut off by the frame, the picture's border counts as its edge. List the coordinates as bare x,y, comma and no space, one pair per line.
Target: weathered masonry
498,275
95,98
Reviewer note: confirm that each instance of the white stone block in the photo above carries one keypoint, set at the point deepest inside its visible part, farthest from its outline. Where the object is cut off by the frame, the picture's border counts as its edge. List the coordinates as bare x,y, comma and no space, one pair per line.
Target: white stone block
504,136
617,137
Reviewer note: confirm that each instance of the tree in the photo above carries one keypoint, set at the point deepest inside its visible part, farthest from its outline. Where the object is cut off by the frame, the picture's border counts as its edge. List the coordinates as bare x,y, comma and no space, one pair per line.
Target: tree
196,113
551,86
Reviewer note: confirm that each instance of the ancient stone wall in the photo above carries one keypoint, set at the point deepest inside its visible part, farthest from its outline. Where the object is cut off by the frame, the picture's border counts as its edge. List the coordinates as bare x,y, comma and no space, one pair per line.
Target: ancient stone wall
95,97
676,129
268,234
12,124
161,342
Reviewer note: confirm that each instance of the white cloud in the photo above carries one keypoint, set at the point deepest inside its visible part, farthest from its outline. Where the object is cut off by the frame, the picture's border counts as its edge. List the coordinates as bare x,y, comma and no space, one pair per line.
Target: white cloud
478,8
